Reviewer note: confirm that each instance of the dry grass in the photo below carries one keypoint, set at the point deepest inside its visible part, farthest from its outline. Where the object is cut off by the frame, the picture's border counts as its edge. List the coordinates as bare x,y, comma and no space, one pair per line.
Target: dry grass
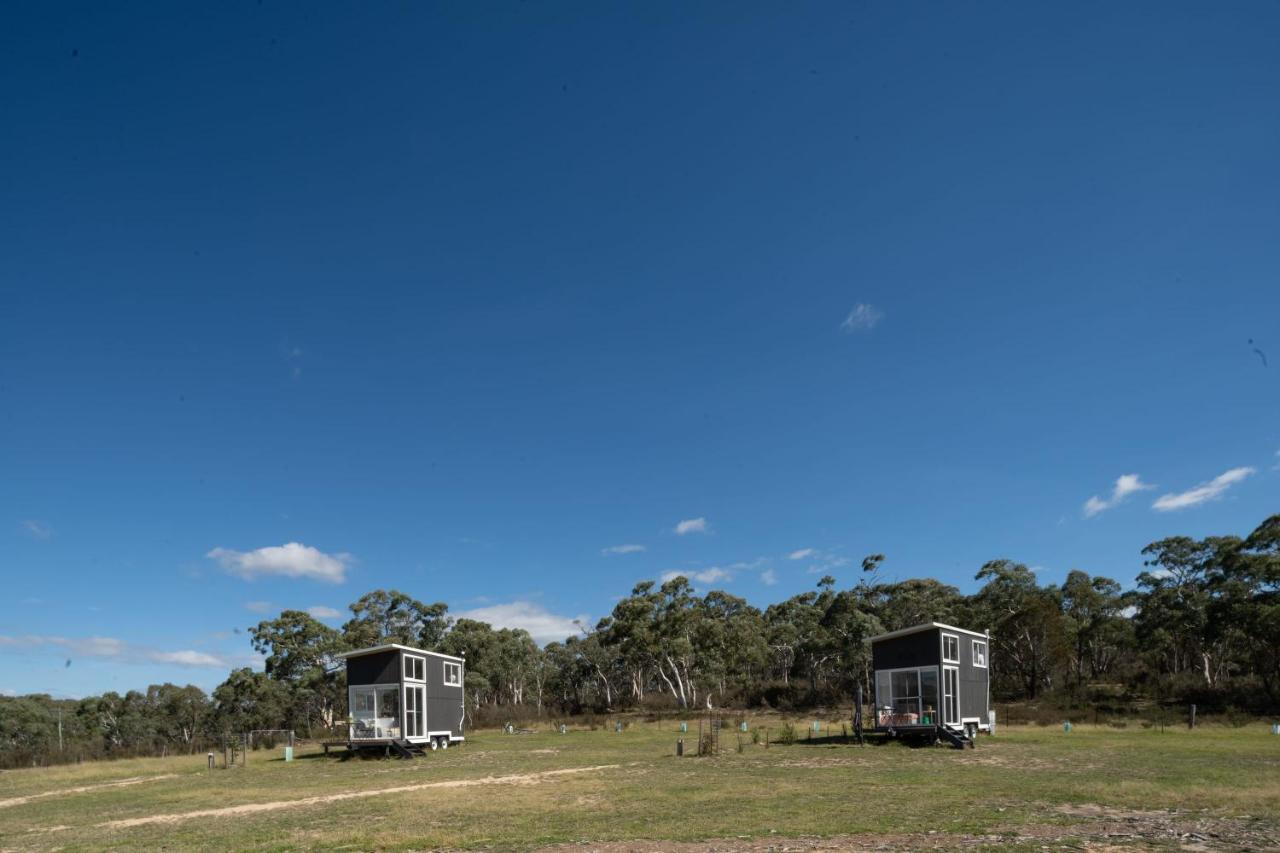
1213,788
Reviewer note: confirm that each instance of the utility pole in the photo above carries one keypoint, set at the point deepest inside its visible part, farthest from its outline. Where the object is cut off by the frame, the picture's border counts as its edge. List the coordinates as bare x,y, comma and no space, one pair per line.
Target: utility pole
59,728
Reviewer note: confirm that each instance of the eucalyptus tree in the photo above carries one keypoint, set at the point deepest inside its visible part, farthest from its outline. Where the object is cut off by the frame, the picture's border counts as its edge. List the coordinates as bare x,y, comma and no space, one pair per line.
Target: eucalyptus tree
391,616
1181,620
1026,624
1096,630
302,653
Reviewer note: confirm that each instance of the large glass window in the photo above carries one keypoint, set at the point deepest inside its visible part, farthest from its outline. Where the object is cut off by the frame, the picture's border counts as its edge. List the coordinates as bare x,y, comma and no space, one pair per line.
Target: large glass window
375,712
364,713
907,697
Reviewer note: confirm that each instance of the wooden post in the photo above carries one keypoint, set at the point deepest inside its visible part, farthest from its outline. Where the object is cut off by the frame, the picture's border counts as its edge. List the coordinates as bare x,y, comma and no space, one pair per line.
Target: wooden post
1191,720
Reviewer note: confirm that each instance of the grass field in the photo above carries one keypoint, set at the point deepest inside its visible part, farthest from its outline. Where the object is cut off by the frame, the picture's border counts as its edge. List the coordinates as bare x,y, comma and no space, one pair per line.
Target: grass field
1214,788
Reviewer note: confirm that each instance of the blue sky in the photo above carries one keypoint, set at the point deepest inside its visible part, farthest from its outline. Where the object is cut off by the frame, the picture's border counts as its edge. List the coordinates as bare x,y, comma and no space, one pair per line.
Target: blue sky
455,298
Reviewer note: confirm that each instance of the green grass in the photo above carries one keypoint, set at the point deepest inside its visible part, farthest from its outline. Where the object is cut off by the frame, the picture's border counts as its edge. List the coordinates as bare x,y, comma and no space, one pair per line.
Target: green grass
1060,785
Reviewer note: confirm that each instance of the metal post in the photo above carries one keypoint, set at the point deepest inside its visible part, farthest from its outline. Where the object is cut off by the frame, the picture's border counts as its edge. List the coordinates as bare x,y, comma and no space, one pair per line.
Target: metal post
211,761
679,747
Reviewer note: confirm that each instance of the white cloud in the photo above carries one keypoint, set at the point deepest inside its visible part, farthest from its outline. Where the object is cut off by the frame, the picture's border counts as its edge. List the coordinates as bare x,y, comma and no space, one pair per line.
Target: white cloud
1202,493
768,577
621,549
1125,485
8,691
38,529
291,560
715,574
803,553
692,525
863,318
1276,467
187,657
827,563
109,647
322,612
257,606
543,625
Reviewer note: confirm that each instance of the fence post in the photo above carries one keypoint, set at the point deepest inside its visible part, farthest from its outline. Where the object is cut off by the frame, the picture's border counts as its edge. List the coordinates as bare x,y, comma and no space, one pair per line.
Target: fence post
1191,720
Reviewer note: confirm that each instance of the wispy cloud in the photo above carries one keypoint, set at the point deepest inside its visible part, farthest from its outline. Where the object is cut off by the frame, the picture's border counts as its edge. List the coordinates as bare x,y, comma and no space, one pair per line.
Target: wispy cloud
291,560
109,648
828,564
37,529
188,657
258,606
692,525
319,611
862,318
768,577
543,625
1203,493
1125,485
802,554
715,574
621,549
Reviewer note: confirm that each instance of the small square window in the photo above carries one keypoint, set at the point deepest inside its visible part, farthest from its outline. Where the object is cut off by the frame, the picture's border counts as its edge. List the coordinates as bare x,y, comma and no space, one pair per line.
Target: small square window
950,648
979,654
453,674
415,668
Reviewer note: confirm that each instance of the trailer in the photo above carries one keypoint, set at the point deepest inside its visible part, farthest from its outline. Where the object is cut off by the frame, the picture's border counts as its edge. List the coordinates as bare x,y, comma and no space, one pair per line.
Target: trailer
404,699
932,681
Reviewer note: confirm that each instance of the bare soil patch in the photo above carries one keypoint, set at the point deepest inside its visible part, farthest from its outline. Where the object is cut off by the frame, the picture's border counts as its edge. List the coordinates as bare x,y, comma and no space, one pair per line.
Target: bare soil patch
134,780
255,808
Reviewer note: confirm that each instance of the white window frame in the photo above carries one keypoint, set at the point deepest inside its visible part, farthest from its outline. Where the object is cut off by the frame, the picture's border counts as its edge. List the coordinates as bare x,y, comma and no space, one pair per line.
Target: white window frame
980,657
454,680
956,639
419,666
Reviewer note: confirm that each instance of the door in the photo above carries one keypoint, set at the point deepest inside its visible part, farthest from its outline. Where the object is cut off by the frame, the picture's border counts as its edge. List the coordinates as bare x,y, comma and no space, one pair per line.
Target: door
414,725
951,696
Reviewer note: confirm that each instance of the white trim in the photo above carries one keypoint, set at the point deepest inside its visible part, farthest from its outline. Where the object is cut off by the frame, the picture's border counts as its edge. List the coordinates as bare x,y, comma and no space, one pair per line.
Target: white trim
946,659
404,659
389,646
445,675
973,652
927,626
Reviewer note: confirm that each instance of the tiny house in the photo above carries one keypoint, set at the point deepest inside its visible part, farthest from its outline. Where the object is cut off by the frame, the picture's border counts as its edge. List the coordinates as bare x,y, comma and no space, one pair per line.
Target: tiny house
932,679
404,698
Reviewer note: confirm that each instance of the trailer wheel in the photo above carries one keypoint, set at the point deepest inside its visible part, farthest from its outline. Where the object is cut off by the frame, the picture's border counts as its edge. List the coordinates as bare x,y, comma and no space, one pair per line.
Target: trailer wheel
435,744
444,742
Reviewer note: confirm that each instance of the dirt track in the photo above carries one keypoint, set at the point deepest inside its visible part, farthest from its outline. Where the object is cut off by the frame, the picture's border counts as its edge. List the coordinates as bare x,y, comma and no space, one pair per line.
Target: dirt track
254,808
135,780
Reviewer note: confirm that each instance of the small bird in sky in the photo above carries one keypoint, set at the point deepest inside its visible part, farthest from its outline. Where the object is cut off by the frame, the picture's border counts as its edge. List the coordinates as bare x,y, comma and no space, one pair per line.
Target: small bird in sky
1262,355
68,666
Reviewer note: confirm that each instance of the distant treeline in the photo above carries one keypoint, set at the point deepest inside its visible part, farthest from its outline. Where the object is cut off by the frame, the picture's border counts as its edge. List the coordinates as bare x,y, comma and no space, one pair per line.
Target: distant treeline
1202,624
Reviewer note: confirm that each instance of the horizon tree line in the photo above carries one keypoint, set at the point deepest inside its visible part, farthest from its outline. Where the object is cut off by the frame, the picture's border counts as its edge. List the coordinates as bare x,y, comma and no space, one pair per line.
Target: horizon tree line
1202,622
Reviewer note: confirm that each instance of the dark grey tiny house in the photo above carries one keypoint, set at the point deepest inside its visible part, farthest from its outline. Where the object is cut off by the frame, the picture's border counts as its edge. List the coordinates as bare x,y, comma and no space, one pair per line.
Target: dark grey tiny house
399,694
932,678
